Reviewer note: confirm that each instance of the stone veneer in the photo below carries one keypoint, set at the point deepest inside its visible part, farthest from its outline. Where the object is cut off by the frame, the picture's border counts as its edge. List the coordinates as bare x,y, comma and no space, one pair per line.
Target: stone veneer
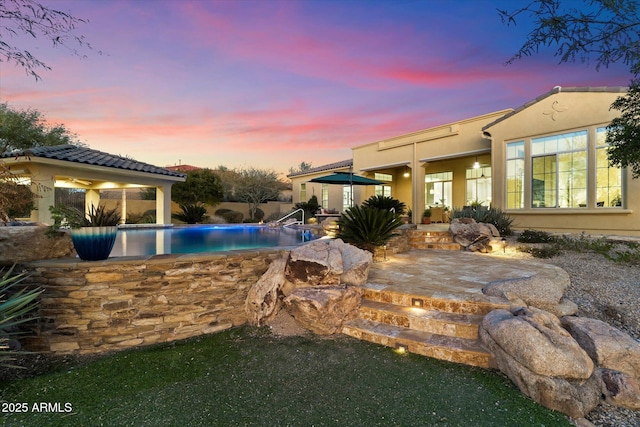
122,302
91,307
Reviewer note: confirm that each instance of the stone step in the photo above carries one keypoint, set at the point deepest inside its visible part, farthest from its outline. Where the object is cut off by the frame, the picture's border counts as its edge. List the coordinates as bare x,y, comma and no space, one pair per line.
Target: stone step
424,239
420,319
459,350
461,303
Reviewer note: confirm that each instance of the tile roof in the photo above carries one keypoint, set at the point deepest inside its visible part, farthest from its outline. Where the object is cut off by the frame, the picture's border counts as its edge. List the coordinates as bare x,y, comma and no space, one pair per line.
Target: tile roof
558,89
330,166
84,155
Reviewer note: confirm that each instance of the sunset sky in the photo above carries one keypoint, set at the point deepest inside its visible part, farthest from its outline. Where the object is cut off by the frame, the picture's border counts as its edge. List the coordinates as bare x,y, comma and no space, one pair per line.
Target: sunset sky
269,84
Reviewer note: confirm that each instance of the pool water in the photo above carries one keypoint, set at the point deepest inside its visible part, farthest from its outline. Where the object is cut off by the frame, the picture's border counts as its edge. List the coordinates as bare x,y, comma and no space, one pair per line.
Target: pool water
204,238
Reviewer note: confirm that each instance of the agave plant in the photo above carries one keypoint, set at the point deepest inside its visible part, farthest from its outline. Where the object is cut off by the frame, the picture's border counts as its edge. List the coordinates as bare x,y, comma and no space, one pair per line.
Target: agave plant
14,307
74,218
192,213
367,227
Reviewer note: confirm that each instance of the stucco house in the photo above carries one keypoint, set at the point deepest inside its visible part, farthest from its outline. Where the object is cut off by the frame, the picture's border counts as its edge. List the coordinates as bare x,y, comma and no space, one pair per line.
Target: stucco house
71,166
544,163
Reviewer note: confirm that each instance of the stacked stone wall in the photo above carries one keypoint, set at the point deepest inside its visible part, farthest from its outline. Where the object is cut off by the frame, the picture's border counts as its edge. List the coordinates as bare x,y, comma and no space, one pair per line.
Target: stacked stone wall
91,307
400,243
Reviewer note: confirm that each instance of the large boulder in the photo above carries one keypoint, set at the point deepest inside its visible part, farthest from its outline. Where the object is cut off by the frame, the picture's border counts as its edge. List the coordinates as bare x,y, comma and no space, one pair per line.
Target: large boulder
323,310
315,264
543,291
608,347
31,243
263,301
620,389
355,261
473,236
537,340
542,359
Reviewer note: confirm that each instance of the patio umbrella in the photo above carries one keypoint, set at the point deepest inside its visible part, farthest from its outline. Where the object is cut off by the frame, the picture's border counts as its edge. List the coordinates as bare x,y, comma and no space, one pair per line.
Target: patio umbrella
346,178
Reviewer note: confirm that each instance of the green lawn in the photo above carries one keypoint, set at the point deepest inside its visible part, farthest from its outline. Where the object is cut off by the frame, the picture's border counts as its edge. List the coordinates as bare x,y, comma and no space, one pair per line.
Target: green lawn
247,377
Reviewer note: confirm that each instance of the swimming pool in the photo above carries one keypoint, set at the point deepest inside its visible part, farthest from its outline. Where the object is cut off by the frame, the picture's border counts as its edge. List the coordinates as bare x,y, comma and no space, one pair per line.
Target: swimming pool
204,238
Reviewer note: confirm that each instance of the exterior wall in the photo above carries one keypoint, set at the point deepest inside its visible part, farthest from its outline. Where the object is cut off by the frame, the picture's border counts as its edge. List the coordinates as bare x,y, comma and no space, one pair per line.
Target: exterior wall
452,147
141,206
558,113
92,307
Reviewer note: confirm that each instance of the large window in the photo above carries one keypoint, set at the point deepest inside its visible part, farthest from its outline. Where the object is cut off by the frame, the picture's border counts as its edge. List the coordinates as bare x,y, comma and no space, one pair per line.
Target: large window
383,190
479,185
438,188
325,196
559,171
515,175
608,178
303,192
347,200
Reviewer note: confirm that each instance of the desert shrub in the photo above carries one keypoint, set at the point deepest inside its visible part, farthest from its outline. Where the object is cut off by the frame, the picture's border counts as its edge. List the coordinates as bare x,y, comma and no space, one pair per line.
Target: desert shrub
535,236
258,215
191,213
385,203
547,251
310,208
232,217
501,220
147,217
366,227
584,243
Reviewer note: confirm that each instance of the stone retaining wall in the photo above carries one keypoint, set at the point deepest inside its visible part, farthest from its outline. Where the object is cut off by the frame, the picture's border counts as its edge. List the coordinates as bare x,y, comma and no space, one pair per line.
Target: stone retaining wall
91,307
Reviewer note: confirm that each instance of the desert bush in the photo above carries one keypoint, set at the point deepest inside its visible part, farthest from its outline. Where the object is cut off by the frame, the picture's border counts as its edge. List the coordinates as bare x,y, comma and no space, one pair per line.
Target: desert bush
192,213
535,236
547,251
232,217
310,208
501,220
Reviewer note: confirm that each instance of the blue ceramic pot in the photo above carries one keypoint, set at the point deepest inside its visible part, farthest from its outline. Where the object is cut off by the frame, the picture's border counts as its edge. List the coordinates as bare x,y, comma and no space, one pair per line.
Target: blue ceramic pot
94,243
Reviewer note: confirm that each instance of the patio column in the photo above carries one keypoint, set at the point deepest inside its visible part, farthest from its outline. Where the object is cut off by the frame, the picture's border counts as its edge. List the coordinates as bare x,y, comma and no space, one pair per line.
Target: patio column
91,198
163,204
43,186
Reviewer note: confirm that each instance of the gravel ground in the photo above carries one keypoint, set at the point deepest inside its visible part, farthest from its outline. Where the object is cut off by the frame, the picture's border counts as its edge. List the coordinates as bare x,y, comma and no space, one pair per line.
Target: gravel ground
607,291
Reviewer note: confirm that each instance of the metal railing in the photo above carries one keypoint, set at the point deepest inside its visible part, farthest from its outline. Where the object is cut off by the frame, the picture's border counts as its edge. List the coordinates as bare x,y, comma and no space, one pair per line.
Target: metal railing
291,214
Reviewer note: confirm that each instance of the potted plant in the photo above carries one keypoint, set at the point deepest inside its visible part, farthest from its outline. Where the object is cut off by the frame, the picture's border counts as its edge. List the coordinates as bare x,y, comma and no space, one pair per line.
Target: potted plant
93,233
426,216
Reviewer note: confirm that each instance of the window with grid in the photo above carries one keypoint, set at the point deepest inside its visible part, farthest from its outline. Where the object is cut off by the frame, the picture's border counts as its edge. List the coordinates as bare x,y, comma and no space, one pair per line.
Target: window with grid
515,175
559,170
438,188
608,178
479,185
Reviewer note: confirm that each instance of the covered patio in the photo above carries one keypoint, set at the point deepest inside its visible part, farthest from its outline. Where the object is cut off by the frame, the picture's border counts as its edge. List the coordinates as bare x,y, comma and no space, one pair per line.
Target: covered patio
72,166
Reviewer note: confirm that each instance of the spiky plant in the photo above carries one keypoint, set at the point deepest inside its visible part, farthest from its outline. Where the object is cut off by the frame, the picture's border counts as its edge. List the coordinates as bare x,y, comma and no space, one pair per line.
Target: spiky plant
192,213
367,227
14,307
68,216
385,203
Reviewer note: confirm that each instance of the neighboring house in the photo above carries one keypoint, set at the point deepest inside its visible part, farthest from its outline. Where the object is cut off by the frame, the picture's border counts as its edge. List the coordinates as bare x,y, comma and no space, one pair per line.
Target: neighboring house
71,166
544,163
